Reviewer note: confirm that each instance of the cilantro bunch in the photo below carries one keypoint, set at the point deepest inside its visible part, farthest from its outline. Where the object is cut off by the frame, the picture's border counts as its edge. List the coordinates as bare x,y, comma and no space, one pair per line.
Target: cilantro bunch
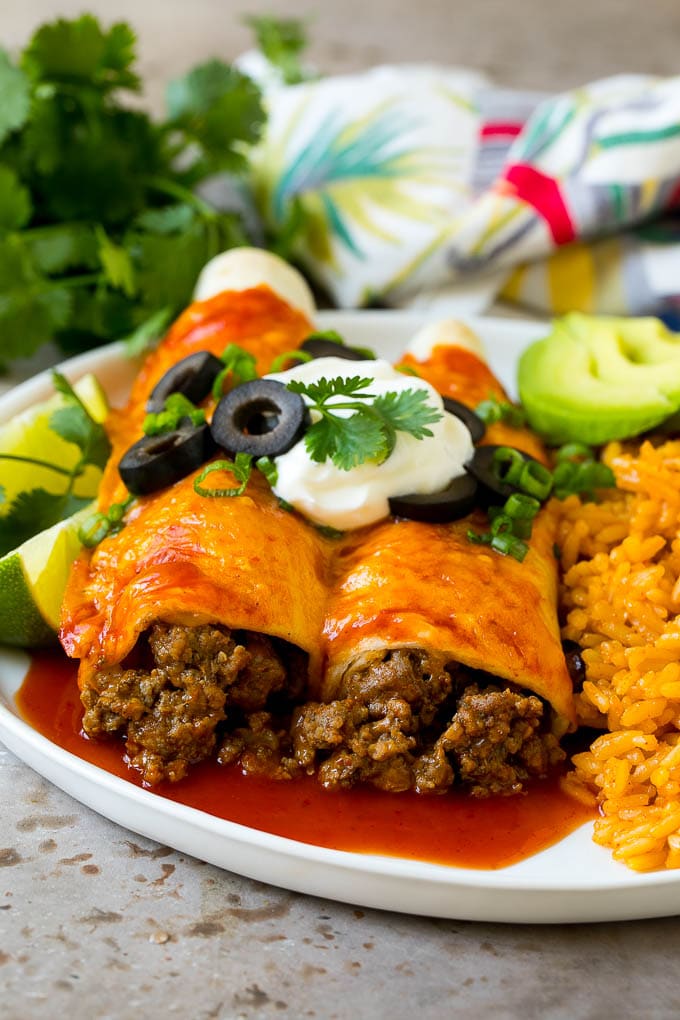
102,234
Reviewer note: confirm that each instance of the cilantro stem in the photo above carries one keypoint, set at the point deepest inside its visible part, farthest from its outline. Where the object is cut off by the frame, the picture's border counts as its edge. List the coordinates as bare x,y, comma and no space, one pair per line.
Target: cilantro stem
85,280
182,194
42,463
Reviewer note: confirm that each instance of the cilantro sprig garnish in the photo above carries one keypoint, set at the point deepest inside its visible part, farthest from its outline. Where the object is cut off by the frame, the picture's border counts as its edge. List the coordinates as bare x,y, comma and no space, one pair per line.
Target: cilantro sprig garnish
282,41
102,233
369,433
37,509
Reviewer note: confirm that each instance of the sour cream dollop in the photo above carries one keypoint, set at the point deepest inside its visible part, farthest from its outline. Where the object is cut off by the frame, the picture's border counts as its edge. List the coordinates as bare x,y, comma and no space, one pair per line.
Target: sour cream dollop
351,499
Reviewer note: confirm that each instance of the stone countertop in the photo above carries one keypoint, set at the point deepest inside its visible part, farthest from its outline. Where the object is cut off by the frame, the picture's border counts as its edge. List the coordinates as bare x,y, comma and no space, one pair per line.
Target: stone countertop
98,923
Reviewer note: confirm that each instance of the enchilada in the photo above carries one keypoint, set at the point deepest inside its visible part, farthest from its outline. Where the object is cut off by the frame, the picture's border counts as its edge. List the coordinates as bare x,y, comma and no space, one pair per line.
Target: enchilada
236,627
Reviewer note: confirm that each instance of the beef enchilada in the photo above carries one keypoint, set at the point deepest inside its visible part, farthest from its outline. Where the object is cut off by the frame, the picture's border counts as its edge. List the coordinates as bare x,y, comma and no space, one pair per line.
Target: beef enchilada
397,652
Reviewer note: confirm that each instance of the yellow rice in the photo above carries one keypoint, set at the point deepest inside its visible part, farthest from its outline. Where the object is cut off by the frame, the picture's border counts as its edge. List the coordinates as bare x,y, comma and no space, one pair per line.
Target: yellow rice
621,596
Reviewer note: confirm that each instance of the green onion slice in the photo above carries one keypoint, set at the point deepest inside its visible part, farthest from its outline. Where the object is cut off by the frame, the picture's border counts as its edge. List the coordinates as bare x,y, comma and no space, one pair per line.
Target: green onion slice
239,468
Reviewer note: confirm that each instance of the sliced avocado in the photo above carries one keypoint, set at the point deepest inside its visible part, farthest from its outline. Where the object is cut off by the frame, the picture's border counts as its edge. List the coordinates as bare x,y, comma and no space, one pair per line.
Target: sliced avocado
593,378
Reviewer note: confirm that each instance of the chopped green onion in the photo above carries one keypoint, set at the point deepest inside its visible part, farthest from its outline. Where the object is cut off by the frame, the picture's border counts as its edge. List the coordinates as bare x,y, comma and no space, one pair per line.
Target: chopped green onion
407,370
101,525
478,537
94,530
508,545
507,465
521,507
335,338
279,362
535,480
240,468
238,363
326,334
175,408
268,468
573,451
285,505
493,410
502,524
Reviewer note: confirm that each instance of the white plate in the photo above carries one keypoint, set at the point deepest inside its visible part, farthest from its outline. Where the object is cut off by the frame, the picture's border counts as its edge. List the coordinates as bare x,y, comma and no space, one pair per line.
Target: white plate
571,881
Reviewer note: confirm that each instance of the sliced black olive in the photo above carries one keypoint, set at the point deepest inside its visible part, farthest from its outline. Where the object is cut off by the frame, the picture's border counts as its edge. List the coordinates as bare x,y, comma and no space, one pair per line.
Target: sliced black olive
154,462
575,664
261,417
320,348
475,426
193,377
483,468
457,500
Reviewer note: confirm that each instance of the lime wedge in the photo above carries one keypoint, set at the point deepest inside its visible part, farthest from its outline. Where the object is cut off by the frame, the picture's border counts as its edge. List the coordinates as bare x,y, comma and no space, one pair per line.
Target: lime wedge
32,583
28,435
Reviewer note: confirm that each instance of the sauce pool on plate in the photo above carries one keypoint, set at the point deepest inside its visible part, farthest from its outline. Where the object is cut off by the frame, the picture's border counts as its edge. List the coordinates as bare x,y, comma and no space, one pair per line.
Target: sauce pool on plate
450,829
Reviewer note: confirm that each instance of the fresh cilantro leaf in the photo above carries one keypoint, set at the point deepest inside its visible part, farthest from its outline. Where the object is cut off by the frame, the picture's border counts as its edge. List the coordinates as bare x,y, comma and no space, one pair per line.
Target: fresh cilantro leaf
16,97
167,265
58,247
146,334
176,407
348,442
219,109
281,40
75,425
34,511
32,308
408,411
369,434
117,264
15,202
97,314
173,219
81,51
102,228
94,175
321,391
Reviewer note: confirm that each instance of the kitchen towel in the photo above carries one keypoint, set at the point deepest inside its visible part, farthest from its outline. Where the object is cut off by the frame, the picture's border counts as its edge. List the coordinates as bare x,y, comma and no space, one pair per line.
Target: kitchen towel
400,183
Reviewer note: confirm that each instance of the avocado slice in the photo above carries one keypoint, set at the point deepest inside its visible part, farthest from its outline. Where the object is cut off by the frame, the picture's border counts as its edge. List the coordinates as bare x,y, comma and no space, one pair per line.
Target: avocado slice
597,378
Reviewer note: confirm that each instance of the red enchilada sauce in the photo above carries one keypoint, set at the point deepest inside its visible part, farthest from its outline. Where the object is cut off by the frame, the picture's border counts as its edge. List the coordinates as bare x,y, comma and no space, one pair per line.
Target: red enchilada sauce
449,829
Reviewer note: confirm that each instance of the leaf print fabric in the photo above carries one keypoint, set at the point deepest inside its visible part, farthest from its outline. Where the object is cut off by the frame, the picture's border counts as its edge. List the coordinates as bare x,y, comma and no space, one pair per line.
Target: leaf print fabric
405,180
368,172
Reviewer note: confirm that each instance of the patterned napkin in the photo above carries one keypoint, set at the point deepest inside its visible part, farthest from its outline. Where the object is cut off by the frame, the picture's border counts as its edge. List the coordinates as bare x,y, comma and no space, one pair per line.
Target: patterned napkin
405,182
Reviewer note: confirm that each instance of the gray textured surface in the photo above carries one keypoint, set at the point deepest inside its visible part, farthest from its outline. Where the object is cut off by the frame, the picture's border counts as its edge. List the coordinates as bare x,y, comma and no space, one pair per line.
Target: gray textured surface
98,923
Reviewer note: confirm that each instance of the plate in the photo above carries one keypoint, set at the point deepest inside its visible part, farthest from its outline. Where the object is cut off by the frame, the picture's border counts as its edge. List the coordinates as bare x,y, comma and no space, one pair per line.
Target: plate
574,880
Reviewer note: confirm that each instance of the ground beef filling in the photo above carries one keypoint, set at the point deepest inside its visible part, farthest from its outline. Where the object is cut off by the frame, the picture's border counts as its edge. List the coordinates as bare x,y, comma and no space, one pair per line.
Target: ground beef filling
171,705
403,720
409,720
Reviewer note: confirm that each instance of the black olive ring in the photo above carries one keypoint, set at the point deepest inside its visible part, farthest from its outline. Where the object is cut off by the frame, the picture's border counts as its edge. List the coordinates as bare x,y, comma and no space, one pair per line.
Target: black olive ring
154,462
261,417
193,377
